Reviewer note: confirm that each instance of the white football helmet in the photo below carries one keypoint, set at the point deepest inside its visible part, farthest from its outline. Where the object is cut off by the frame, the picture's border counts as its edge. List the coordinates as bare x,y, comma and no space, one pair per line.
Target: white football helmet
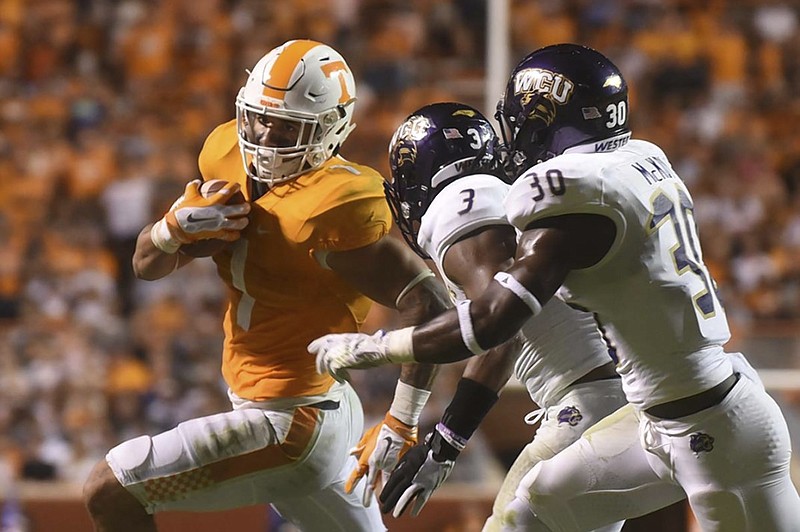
308,84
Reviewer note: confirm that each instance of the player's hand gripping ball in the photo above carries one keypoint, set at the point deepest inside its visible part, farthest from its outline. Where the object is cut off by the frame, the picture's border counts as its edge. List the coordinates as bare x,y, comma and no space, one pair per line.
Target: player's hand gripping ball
211,246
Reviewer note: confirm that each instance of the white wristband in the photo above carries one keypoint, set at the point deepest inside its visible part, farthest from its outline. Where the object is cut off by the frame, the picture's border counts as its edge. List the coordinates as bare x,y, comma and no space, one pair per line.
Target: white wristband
408,403
162,238
508,282
465,324
399,346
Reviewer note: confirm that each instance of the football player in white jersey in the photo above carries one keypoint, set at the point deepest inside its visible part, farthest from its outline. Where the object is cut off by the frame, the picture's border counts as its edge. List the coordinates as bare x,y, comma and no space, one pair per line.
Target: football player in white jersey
606,220
447,196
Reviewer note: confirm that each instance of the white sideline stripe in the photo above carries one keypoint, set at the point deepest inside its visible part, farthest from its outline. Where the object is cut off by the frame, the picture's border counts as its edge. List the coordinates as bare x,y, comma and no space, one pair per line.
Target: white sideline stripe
780,379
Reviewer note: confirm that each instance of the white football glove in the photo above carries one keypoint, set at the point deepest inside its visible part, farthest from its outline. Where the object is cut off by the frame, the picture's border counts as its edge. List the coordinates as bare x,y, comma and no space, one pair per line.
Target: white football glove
378,451
194,217
337,352
416,478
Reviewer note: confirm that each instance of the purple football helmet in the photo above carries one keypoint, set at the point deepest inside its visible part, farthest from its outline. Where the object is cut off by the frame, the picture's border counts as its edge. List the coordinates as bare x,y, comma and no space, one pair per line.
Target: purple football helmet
561,97
435,145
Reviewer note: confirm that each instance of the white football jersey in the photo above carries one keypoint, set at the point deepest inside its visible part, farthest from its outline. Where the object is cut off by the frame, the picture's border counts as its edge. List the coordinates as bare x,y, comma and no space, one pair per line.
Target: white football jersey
561,344
652,289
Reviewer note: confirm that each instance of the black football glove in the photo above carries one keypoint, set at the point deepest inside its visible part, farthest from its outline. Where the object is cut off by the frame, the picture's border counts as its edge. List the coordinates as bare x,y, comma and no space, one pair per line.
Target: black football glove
420,471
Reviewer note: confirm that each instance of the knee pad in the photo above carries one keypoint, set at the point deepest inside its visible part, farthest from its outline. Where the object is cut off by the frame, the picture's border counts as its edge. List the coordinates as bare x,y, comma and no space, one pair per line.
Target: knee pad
518,516
545,502
532,486
133,453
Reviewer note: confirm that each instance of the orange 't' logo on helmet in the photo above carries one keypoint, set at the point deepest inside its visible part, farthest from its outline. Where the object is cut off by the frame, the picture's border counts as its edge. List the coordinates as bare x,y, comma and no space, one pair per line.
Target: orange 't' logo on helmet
336,68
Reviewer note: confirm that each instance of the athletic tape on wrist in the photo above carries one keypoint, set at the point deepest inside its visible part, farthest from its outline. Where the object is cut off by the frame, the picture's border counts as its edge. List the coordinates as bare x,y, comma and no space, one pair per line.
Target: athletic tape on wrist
162,238
465,324
508,282
400,346
421,276
408,403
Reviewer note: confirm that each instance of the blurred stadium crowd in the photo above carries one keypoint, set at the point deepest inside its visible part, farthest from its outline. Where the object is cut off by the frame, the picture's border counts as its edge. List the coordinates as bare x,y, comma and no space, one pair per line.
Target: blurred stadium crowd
104,105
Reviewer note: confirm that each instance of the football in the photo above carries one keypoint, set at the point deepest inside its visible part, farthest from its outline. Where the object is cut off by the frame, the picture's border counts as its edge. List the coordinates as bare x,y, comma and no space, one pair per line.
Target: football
211,246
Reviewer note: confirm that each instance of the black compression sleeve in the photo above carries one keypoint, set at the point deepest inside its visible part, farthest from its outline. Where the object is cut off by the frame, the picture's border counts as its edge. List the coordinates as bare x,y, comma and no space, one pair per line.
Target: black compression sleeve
470,404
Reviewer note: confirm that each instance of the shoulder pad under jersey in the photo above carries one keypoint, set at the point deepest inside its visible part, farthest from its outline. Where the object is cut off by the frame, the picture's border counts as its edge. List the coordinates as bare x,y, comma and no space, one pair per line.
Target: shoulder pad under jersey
340,206
462,206
220,150
567,184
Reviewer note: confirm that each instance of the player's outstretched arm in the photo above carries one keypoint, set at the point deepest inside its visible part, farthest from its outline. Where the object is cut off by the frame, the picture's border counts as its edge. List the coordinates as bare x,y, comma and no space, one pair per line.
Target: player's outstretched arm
472,263
389,273
546,255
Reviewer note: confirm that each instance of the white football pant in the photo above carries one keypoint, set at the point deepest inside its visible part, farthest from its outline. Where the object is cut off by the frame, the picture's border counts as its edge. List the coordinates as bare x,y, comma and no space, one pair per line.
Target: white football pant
295,457
580,407
731,461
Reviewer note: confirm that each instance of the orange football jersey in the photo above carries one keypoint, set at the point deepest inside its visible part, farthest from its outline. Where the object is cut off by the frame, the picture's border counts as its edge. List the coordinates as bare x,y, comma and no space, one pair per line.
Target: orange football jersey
281,298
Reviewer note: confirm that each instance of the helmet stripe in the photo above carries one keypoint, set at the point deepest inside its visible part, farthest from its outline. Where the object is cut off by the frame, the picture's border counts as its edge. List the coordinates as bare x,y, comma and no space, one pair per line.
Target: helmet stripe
277,82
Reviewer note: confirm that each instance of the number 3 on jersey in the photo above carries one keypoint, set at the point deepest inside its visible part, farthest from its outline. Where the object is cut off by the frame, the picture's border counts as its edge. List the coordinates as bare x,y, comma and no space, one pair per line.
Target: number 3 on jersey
468,197
686,252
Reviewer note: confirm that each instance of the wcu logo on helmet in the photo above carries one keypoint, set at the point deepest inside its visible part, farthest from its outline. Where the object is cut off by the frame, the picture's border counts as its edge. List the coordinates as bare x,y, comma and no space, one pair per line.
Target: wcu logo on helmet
560,98
551,85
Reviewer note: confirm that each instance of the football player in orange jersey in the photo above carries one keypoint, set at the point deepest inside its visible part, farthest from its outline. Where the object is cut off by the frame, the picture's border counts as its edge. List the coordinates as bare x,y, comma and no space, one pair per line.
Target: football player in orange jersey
308,248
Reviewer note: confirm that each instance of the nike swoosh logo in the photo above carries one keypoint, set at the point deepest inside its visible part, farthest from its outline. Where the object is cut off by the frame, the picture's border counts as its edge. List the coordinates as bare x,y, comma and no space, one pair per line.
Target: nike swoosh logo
193,219
388,441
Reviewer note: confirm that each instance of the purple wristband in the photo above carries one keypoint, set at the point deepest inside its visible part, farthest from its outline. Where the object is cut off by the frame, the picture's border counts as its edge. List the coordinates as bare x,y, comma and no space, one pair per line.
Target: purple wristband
456,441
